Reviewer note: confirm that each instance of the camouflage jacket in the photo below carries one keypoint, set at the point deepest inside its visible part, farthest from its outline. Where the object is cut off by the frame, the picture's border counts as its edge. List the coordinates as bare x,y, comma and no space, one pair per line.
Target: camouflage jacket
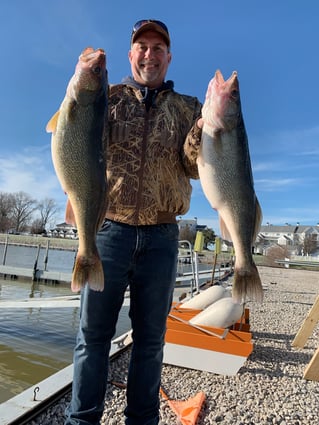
151,155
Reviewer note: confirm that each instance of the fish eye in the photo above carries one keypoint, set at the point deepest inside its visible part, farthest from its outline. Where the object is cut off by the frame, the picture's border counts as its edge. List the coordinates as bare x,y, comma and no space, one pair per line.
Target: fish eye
234,93
96,70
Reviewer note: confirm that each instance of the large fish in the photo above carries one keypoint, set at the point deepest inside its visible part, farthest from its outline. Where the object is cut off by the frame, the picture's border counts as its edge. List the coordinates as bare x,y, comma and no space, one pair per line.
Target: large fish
79,161
226,178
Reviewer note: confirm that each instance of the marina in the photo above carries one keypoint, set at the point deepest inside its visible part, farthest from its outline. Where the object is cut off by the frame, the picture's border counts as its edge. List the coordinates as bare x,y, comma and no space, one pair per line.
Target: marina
39,322
268,388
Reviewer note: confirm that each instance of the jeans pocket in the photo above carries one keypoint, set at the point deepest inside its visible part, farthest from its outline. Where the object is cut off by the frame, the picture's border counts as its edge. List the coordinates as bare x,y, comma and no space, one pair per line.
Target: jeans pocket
106,224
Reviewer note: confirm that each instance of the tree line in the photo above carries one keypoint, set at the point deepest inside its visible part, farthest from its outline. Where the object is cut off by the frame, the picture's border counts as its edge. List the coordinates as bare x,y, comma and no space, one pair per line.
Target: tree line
20,212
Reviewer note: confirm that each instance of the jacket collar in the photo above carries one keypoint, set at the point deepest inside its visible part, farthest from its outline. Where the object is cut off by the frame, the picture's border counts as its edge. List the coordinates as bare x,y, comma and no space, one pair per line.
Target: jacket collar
129,81
148,95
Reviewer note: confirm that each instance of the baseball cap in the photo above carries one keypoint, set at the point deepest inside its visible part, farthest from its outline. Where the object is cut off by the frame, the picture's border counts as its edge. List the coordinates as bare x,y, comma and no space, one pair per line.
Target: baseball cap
150,25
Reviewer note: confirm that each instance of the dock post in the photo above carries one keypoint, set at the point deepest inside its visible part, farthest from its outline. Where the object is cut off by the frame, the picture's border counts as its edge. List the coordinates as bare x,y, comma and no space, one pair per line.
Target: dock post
5,251
46,256
35,267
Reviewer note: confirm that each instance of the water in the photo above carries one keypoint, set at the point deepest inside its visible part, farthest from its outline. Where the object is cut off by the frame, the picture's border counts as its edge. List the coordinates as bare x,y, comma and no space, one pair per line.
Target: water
37,342
24,256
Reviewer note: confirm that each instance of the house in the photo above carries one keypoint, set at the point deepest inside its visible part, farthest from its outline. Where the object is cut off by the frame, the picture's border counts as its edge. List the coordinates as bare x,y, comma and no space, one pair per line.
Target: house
190,224
302,232
288,235
63,230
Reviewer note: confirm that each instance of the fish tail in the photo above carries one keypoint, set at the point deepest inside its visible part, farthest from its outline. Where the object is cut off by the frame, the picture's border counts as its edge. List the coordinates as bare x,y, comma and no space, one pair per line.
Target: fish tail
247,284
88,270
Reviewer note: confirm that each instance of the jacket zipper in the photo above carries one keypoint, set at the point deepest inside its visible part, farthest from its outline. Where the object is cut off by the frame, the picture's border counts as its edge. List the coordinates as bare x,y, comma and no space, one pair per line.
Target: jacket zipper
142,167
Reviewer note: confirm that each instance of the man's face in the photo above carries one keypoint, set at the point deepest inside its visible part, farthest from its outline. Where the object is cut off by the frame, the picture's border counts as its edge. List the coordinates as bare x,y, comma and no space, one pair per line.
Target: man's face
149,58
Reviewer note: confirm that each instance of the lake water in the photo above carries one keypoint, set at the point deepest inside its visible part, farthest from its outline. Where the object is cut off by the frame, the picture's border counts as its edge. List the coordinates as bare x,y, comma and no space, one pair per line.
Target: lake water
37,342
24,256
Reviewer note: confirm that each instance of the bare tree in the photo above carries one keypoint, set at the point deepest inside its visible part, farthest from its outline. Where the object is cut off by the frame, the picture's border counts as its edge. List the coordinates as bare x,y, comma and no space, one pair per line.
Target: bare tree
309,244
188,234
23,208
47,208
276,252
6,206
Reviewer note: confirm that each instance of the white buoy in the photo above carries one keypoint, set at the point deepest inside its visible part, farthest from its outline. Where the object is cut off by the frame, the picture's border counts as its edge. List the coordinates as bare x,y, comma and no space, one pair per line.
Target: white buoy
221,314
205,298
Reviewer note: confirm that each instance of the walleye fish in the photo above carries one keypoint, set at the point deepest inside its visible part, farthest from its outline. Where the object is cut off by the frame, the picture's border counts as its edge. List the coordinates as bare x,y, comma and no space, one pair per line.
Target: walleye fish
79,162
226,177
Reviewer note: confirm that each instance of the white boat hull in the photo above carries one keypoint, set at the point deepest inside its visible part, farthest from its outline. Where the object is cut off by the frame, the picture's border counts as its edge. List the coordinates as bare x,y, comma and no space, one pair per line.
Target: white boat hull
201,359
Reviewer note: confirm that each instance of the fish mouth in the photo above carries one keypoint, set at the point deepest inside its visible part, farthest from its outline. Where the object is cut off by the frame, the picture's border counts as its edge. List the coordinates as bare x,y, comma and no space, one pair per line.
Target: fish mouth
219,77
93,59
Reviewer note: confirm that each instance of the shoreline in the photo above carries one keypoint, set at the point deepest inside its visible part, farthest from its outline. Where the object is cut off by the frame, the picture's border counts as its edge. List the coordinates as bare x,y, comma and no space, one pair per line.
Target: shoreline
36,240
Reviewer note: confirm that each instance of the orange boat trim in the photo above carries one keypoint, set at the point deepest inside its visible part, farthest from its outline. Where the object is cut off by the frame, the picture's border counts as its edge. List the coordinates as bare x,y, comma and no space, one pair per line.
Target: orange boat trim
236,342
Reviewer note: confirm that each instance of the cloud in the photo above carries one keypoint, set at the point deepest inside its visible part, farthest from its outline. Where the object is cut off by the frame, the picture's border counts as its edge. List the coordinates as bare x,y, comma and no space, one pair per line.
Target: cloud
270,185
30,171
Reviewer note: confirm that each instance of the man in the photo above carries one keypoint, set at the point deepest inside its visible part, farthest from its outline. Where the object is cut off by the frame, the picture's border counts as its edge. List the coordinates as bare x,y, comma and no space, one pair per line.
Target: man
152,142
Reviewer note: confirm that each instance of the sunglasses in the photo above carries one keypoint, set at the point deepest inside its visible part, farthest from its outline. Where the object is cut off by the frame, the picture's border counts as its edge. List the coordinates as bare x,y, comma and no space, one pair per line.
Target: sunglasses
142,22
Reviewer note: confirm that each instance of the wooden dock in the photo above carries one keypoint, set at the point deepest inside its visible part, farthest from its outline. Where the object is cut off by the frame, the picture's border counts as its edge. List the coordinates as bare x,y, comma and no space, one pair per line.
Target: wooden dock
13,272
33,272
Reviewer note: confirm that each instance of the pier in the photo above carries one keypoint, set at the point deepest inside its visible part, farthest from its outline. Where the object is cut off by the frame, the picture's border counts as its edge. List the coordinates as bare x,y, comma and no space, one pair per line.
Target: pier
34,272
37,268
13,272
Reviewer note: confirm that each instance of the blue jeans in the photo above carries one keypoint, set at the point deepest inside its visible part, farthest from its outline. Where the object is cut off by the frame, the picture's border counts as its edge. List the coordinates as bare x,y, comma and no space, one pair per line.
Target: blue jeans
143,258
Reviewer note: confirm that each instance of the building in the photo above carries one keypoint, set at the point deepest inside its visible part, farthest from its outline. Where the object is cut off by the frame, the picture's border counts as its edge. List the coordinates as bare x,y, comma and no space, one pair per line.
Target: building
187,224
63,230
287,236
191,225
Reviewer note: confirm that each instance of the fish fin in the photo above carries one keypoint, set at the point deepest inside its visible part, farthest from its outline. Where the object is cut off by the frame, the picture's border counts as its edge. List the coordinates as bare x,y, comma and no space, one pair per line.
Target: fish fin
224,230
52,124
258,219
247,284
88,270
69,214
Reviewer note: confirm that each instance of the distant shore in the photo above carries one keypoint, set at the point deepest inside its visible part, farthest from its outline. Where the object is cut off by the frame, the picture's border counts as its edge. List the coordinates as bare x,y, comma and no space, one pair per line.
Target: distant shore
35,240
72,245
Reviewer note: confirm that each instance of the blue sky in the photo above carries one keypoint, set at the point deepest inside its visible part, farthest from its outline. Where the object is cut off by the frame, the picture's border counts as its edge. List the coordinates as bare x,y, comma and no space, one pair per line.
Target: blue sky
273,45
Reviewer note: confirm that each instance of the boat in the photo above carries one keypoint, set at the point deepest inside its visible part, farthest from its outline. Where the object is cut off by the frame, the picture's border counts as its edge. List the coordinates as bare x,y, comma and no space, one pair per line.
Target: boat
216,350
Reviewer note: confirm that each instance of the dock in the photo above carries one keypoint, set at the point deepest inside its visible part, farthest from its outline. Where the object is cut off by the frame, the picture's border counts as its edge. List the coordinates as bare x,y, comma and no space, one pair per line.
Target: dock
34,272
14,272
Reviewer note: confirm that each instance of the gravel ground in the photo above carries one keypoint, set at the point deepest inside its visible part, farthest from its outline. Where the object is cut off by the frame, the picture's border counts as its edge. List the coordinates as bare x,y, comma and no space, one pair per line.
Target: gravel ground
269,389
